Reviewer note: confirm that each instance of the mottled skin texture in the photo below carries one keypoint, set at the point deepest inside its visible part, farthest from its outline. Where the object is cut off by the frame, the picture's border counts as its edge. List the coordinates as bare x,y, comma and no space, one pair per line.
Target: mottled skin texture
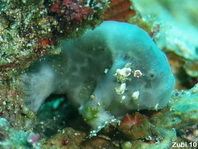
79,72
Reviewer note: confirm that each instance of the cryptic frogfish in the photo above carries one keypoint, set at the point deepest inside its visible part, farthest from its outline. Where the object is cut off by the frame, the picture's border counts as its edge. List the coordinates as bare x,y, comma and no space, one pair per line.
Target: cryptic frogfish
107,72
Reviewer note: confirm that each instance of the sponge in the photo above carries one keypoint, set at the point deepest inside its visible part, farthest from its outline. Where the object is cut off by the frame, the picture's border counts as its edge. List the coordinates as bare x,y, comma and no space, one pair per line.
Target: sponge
109,71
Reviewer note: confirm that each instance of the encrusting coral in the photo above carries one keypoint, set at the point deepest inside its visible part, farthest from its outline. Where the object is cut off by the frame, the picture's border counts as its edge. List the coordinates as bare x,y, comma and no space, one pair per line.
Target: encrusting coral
117,62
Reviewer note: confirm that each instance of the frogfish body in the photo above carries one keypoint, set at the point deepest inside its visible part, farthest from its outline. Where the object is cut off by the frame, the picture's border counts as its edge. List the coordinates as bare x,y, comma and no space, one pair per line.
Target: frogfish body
106,73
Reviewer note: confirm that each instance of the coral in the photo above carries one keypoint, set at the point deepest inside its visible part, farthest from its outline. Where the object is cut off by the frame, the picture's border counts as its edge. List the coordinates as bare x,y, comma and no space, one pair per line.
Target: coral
163,139
73,11
120,48
135,126
66,138
127,145
191,68
30,29
23,26
13,137
182,45
181,115
190,133
11,104
33,138
65,142
74,16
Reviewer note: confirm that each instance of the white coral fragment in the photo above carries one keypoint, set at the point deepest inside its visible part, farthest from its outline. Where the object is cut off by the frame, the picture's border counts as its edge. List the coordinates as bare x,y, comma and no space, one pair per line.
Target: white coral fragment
135,95
120,89
122,74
